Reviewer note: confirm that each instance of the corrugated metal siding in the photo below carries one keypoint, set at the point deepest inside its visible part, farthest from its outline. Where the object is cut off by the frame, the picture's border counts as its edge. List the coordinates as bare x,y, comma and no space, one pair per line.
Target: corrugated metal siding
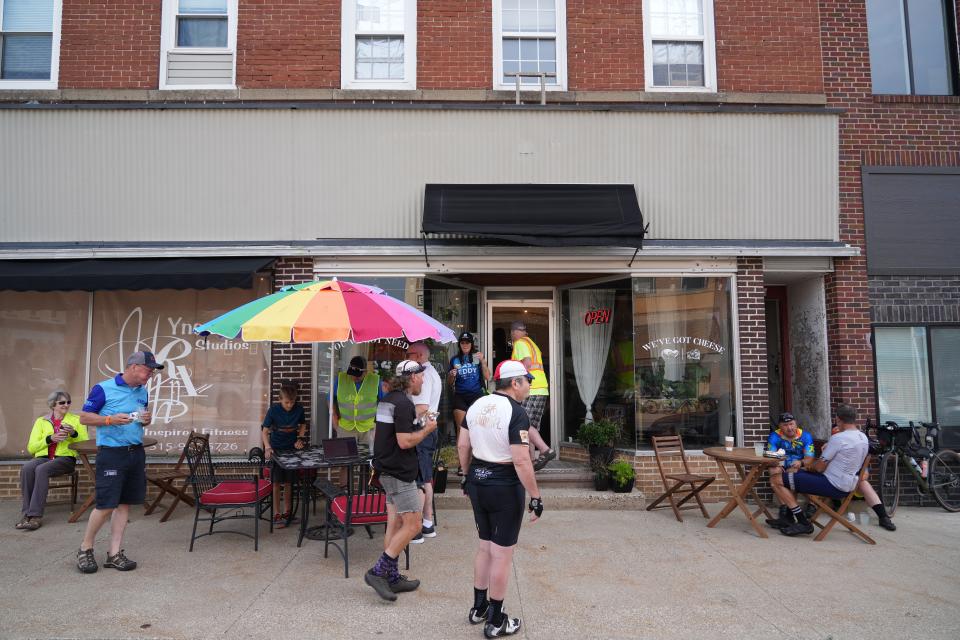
199,68
274,174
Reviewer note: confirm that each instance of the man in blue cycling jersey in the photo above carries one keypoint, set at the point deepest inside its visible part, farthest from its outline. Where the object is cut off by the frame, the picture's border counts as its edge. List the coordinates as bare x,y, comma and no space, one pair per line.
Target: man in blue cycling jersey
798,446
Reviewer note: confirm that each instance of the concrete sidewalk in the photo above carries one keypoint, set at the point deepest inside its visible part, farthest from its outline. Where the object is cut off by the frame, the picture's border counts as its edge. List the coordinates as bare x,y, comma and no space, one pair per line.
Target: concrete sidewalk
590,574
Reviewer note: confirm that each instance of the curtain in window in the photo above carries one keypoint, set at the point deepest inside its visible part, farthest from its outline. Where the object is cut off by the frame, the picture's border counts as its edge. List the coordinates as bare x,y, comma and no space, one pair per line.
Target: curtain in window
902,374
590,343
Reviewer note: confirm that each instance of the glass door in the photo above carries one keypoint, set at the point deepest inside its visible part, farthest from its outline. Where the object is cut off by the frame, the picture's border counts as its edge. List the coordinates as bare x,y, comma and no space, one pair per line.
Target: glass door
536,312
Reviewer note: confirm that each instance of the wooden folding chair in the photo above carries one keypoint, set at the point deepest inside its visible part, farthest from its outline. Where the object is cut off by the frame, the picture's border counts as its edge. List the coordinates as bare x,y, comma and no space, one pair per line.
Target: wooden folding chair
664,446
166,479
823,507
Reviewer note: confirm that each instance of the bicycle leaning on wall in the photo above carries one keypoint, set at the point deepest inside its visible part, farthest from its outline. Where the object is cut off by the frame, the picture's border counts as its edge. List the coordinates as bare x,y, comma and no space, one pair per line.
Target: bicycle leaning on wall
936,471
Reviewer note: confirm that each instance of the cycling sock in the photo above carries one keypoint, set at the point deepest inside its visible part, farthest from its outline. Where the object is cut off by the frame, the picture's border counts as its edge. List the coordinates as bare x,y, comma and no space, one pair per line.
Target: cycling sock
427,523
384,565
799,514
479,599
880,510
495,612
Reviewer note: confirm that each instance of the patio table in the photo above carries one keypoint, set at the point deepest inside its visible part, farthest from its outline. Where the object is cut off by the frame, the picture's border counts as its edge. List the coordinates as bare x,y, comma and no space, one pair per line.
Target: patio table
740,457
84,450
312,459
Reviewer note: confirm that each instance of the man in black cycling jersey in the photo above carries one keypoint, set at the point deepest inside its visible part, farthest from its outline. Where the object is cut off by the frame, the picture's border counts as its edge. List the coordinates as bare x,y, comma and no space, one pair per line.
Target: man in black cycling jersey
493,445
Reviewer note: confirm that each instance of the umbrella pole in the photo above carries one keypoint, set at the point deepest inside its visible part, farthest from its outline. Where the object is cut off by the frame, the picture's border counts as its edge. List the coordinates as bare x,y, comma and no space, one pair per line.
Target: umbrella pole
331,399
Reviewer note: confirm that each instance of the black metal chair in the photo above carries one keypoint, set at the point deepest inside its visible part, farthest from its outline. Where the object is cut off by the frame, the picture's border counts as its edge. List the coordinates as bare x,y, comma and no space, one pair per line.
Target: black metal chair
359,503
227,485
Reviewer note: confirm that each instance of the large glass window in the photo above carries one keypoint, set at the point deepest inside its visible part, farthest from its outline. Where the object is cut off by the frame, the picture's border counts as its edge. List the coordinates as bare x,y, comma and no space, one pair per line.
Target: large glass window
917,377
910,47
29,35
683,351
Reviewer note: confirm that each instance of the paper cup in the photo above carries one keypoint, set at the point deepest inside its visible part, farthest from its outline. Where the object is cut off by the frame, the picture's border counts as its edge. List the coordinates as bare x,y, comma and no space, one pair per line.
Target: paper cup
728,443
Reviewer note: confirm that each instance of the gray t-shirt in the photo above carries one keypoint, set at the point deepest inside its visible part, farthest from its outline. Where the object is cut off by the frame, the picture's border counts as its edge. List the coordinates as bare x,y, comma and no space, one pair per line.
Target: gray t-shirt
846,452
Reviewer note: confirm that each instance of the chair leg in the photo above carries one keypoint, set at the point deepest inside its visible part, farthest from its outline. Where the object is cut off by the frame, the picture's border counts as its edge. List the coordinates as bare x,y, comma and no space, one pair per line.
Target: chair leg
406,553
196,519
213,518
369,531
73,490
156,501
256,526
346,548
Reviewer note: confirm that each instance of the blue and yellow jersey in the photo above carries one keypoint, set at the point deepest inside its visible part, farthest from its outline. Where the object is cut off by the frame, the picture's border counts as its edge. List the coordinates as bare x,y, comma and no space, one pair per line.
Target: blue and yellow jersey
797,449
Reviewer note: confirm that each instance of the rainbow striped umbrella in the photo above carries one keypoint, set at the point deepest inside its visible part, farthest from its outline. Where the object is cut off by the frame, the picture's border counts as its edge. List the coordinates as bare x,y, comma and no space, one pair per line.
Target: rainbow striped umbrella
327,311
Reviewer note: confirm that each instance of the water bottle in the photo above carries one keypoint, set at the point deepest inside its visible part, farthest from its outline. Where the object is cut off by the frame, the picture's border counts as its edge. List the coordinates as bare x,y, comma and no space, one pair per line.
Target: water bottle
914,465
923,468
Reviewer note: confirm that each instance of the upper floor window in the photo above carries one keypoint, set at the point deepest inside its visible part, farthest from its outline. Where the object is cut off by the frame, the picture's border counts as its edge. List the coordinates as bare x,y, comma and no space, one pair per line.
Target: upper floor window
198,44
912,47
379,44
678,45
529,36
29,43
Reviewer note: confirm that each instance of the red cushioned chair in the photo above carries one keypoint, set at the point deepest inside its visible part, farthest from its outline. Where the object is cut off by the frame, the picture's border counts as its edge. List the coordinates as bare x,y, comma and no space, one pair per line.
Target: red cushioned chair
227,485
359,503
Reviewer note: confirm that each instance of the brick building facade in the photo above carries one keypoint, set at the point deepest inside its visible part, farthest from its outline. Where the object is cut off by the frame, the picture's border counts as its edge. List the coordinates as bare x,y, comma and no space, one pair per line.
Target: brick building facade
804,64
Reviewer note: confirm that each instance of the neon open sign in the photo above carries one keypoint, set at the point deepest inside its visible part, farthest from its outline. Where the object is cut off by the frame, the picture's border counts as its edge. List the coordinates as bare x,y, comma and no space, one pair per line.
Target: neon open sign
597,316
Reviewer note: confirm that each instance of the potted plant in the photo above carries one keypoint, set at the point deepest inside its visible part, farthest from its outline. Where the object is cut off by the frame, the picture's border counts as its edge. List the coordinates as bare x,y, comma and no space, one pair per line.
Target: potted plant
599,437
622,476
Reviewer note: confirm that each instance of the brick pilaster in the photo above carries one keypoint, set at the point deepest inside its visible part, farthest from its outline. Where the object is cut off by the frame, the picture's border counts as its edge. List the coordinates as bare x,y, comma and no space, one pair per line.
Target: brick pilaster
292,361
753,350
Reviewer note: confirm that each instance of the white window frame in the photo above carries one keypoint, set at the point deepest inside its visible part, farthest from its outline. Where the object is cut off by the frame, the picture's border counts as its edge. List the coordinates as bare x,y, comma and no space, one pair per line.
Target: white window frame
52,83
709,52
561,46
348,50
168,44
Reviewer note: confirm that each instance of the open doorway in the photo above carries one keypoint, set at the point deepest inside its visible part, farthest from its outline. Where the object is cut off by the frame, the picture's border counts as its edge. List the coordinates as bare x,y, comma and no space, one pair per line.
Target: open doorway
536,314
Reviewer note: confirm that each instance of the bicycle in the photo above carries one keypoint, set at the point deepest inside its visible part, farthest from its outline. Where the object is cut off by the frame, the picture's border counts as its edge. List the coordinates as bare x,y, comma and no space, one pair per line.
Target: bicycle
937,472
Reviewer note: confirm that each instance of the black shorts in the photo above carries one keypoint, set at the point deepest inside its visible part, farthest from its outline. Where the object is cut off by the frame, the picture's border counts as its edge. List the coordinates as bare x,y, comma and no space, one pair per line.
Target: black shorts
498,511
121,476
462,401
279,474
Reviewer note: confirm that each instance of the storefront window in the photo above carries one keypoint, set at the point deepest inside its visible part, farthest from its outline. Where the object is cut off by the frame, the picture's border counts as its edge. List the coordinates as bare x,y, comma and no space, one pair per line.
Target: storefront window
598,380
456,307
43,348
683,359
903,383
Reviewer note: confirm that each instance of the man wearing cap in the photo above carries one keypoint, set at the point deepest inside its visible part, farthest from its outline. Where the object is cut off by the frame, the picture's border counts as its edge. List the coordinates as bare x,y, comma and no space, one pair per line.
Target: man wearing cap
493,446
798,447
526,351
119,409
355,396
395,460
426,401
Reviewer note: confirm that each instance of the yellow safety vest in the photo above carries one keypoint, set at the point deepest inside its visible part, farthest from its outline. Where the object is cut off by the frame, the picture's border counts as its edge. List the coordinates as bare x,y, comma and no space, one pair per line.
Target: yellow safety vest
539,386
622,356
358,407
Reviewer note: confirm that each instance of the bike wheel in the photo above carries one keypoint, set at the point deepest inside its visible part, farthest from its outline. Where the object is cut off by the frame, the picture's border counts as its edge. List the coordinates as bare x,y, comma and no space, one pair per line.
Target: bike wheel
943,477
889,482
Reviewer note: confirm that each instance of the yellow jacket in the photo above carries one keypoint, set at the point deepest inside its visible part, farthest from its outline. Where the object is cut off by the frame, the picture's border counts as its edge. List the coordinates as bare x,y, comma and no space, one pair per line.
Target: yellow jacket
43,427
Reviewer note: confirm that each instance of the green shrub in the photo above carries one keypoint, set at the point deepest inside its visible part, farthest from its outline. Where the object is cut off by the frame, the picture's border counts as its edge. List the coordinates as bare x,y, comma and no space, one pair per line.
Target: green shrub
449,457
621,472
600,433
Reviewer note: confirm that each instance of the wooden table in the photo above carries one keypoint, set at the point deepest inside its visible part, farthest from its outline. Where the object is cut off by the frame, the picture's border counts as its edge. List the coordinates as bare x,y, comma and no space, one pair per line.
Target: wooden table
740,457
84,450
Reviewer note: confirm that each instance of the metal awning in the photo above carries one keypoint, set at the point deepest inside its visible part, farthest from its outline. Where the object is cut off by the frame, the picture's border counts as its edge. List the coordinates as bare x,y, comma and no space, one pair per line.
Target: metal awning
151,273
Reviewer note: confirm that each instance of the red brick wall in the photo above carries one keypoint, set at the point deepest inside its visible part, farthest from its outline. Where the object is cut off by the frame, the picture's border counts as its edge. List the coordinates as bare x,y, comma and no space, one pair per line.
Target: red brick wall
288,44
454,44
292,361
901,130
604,45
110,45
753,350
768,46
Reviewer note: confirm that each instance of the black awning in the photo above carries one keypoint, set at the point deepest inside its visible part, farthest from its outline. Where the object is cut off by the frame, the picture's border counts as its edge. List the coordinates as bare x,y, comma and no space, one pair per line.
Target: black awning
537,214
149,273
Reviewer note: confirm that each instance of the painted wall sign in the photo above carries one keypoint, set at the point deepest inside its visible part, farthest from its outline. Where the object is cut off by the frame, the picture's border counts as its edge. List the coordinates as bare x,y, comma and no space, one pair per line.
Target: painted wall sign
702,343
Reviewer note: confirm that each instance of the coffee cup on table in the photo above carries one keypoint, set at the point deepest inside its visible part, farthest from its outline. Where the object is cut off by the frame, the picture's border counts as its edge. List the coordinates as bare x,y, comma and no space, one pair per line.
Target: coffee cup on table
728,443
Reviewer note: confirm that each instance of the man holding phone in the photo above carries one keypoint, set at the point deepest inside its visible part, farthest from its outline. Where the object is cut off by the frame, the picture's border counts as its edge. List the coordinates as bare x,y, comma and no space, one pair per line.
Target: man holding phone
119,409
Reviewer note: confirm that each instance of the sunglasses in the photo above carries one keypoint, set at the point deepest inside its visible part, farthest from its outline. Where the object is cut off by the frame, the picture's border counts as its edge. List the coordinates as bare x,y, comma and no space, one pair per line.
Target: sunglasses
63,402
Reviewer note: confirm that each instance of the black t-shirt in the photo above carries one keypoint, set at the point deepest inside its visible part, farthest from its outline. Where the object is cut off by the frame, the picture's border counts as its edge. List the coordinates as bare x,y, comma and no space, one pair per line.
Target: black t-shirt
395,414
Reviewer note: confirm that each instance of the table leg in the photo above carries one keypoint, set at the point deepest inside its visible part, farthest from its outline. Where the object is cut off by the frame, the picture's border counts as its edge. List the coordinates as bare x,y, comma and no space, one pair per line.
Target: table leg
304,510
736,499
76,515
761,505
